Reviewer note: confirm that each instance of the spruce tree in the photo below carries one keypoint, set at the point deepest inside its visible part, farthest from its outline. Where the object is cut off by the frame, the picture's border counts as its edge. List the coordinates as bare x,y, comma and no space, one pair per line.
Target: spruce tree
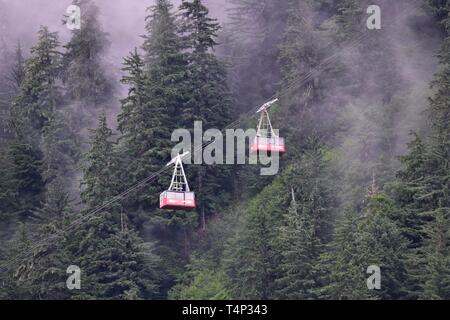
41,257
252,258
13,74
383,245
307,225
152,110
300,250
60,148
346,280
88,86
115,261
436,258
99,181
208,100
423,187
201,281
6,91
360,242
26,184
7,185
40,93
17,72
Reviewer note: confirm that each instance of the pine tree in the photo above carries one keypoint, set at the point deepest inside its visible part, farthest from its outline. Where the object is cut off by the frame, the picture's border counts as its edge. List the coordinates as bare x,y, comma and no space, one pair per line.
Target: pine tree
346,272
372,239
26,185
423,187
7,185
85,75
10,288
307,225
208,100
99,181
383,245
436,277
10,88
201,281
116,262
41,261
300,249
17,72
60,148
145,122
43,270
40,92
409,191
6,91
370,87
252,260
152,109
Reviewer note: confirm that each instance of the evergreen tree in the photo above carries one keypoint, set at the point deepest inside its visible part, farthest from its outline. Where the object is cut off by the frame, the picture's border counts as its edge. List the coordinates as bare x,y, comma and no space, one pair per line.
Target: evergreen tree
116,262
201,282
346,272
11,68
372,239
157,84
383,245
423,187
41,258
300,249
40,92
209,98
409,191
26,186
7,185
60,147
369,93
307,225
437,258
88,86
300,53
99,181
152,109
252,260
10,83
17,73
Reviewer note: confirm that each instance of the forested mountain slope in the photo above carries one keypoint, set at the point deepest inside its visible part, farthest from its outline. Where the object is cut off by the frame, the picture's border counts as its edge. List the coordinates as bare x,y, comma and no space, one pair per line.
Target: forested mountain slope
364,181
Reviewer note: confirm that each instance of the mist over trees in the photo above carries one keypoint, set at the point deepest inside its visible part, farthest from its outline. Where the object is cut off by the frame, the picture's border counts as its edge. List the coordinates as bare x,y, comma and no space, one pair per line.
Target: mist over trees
365,181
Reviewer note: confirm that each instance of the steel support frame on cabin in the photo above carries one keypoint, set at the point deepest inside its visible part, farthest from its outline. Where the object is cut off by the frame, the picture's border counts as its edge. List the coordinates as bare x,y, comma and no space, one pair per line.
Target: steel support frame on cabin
271,133
179,165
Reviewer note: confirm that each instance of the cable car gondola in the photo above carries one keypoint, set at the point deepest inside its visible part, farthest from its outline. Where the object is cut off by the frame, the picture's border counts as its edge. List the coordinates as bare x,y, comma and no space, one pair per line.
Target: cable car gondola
178,196
266,140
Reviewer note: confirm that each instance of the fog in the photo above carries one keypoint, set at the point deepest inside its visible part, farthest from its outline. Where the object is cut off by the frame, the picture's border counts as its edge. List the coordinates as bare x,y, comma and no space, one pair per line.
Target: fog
412,54
123,20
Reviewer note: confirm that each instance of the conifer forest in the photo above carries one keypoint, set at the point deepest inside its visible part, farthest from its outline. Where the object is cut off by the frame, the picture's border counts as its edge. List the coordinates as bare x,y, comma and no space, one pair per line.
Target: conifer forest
350,104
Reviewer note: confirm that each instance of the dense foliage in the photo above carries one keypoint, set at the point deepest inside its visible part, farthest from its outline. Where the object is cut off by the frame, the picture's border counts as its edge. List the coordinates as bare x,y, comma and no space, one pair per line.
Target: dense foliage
365,181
